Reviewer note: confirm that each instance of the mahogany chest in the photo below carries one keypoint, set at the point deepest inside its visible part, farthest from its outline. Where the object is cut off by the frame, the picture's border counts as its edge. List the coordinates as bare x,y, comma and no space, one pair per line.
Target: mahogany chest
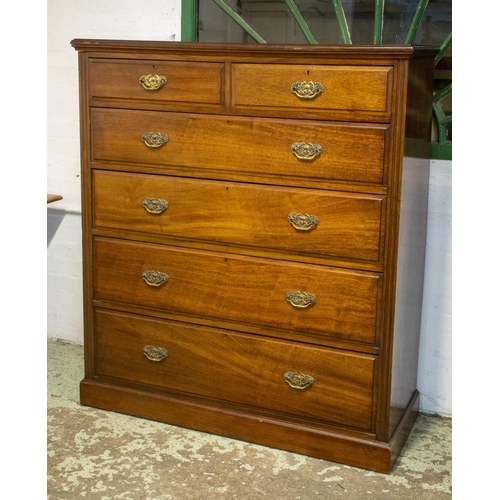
254,223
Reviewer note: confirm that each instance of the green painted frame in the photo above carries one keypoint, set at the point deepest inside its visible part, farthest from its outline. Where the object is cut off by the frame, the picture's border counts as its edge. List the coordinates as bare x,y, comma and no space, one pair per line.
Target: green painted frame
441,149
189,20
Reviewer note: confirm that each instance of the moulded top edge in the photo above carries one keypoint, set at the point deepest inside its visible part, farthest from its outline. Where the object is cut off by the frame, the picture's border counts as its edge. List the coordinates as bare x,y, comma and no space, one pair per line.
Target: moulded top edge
398,51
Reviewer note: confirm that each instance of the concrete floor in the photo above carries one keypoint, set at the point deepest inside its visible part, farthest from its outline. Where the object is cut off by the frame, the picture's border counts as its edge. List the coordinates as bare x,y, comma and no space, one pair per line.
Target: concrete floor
93,454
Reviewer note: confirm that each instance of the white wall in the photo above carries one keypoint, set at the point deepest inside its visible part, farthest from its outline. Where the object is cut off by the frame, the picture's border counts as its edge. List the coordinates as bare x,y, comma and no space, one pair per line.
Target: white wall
160,20
434,369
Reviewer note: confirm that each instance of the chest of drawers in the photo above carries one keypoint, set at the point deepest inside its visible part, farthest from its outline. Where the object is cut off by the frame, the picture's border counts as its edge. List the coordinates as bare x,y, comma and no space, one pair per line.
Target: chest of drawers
254,237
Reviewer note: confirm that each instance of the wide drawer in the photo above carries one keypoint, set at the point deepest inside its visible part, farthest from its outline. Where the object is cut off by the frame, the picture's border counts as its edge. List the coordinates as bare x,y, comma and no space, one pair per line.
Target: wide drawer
293,220
308,299
286,148
354,88
161,81
238,368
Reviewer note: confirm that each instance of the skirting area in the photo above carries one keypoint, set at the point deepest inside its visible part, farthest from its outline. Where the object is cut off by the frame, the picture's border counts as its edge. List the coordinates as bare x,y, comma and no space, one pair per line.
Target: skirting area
100,455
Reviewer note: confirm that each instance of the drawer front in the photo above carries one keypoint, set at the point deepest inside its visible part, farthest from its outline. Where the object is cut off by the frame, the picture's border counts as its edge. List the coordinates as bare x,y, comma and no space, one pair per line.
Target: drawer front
354,88
239,368
287,148
160,81
308,299
292,220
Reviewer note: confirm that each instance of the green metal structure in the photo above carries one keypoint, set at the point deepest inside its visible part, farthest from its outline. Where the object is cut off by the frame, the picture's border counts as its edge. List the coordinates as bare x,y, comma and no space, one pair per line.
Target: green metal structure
441,149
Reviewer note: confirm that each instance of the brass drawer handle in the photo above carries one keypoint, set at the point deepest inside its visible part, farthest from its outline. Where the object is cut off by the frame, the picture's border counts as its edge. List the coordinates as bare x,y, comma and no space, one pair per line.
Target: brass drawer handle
155,205
152,82
306,150
298,380
301,300
154,139
303,222
307,90
154,278
154,353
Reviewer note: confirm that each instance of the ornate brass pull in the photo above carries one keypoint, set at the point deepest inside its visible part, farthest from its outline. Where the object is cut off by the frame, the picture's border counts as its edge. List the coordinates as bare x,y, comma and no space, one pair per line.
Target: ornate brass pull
155,205
307,90
303,222
154,278
301,300
154,353
306,150
152,82
298,380
154,139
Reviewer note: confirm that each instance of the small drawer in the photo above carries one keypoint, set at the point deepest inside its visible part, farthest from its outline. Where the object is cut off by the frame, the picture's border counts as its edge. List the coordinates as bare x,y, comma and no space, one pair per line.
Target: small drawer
298,221
310,87
306,299
285,148
161,81
312,382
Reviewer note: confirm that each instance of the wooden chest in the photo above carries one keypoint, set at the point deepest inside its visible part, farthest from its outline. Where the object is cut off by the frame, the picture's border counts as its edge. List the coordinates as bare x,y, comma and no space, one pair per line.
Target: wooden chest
254,224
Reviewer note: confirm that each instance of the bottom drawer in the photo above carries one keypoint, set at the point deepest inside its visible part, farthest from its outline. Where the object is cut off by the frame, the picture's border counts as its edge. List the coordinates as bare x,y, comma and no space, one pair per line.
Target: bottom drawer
238,368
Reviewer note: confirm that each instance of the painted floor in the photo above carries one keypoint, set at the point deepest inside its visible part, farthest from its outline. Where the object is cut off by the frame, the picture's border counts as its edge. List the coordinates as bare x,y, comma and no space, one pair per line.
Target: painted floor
94,454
